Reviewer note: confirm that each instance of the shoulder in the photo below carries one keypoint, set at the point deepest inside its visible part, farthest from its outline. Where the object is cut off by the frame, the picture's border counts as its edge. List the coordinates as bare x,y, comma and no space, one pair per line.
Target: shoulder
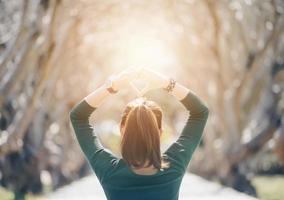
174,164
103,162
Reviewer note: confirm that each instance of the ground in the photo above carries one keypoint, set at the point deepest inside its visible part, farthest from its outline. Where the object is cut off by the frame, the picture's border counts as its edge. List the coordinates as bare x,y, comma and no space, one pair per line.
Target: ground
193,188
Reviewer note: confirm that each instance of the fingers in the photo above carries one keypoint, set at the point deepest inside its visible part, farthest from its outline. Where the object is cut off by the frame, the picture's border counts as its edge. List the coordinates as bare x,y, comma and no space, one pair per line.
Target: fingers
144,90
136,73
144,74
134,87
132,73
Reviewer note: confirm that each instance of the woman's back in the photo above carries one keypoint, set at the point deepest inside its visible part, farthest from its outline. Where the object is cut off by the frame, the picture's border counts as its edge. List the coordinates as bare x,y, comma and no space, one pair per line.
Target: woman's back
123,183
117,178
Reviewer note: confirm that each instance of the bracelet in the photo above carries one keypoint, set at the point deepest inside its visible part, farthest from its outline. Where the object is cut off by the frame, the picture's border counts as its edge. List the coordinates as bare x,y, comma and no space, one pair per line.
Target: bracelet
171,85
111,90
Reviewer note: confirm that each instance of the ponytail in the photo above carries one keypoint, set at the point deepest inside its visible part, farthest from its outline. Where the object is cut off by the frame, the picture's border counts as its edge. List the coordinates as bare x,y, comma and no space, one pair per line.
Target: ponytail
141,137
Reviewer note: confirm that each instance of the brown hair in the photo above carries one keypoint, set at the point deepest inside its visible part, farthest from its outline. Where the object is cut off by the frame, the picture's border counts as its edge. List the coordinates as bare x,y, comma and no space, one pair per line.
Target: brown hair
142,121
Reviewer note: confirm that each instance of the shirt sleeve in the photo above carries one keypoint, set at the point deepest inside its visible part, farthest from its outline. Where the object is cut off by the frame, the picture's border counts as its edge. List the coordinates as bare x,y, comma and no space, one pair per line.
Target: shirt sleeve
180,152
100,158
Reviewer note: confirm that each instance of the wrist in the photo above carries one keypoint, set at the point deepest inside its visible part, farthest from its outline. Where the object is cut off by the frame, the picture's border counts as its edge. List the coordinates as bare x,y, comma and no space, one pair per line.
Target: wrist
164,82
110,85
116,84
171,82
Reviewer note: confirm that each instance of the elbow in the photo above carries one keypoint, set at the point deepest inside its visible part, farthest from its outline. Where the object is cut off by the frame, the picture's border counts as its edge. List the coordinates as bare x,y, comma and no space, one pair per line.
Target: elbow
72,114
202,113
206,111
81,111
76,114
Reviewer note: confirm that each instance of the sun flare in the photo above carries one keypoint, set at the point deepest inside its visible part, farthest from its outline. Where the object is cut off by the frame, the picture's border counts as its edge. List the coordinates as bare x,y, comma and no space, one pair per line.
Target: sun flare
147,40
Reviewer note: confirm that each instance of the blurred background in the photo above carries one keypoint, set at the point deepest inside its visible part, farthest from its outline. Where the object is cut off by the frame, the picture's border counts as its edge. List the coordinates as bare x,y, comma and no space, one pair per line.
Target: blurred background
55,52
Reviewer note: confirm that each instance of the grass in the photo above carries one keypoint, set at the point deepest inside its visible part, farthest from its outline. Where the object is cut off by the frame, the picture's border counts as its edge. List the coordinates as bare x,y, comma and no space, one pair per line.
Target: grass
8,195
269,187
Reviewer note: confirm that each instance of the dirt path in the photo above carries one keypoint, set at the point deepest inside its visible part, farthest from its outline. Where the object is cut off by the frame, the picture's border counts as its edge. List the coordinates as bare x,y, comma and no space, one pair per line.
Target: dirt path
193,188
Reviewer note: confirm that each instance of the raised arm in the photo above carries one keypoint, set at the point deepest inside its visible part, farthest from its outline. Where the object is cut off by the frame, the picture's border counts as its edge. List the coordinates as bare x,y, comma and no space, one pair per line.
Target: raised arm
99,158
181,151
79,117
80,113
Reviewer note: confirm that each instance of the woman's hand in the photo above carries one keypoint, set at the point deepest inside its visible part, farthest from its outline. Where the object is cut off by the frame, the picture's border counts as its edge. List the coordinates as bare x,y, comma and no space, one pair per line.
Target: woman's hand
153,79
123,79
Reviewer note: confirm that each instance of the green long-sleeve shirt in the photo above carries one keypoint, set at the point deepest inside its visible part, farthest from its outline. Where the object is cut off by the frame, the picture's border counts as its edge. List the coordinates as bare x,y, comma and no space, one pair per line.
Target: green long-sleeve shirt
117,179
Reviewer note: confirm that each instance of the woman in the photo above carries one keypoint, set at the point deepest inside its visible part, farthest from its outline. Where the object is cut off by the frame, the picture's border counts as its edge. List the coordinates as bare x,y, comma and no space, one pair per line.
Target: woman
142,173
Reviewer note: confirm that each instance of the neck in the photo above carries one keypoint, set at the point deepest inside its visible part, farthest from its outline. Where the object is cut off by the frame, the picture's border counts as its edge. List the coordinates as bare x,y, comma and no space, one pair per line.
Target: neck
145,170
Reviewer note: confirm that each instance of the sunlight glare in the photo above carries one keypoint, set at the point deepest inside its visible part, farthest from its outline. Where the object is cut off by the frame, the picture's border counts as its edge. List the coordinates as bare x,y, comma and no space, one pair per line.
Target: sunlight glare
141,50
